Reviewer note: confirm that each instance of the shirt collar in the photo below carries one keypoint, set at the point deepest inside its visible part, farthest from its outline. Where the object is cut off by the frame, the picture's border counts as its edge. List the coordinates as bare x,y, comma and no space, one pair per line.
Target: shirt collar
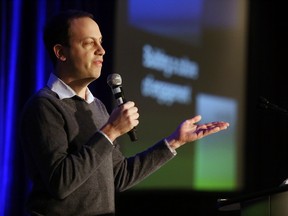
65,91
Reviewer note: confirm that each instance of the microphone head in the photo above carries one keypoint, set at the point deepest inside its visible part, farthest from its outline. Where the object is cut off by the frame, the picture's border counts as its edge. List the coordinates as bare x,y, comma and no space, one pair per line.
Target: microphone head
114,80
263,100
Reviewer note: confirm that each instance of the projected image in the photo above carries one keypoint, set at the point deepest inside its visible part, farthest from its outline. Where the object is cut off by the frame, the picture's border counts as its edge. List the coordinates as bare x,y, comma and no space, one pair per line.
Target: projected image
152,17
177,59
216,157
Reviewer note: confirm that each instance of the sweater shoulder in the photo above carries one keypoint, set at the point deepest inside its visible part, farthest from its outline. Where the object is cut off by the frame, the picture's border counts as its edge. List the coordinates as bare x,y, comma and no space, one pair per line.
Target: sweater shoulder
45,93
41,97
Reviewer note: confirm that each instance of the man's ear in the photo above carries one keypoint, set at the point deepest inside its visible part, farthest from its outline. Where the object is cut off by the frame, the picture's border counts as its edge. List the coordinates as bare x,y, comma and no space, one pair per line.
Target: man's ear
59,52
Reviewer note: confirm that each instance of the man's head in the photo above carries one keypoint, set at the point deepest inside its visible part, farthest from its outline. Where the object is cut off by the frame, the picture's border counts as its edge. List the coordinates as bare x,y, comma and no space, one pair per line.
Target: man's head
56,30
73,40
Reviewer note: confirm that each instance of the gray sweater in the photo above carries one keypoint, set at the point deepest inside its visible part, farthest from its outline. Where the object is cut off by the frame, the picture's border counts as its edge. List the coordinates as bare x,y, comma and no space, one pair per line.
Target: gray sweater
74,169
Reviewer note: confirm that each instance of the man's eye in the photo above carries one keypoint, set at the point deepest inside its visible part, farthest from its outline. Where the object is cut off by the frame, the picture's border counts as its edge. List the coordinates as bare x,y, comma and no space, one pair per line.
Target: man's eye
88,43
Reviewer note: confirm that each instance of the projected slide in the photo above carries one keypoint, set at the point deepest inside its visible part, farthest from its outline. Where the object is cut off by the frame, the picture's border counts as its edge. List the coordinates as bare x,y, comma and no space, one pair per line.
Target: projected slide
177,59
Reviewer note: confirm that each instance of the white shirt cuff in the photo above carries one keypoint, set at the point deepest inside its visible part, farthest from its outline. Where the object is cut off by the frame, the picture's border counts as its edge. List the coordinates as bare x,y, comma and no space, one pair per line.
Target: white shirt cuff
106,137
171,149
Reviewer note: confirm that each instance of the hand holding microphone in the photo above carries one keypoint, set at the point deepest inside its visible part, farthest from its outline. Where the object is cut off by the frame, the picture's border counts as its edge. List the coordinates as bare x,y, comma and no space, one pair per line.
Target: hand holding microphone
115,82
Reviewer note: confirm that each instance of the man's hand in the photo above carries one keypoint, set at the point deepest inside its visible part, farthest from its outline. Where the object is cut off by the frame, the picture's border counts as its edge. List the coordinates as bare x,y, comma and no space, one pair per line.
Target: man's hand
121,120
189,131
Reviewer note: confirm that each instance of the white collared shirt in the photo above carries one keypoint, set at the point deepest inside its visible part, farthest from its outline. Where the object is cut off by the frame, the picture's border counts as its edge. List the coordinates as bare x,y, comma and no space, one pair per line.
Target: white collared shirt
65,91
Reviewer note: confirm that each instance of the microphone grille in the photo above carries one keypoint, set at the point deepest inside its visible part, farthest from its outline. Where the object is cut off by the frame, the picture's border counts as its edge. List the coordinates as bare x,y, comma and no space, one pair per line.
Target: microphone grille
114,80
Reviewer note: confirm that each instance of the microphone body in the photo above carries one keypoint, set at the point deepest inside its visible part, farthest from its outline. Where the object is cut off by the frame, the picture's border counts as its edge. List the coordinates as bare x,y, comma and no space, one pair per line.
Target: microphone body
115,82
265,104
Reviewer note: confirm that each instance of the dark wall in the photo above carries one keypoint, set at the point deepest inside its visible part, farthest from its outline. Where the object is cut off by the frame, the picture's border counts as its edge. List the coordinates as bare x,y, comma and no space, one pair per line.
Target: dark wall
266,139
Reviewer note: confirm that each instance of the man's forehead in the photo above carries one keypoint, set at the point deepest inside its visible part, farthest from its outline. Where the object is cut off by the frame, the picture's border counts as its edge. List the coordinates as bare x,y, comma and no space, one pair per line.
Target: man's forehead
84,25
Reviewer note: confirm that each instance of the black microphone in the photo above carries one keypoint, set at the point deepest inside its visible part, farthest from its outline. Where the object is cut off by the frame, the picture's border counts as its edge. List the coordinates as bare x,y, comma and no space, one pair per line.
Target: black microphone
267,105
115,82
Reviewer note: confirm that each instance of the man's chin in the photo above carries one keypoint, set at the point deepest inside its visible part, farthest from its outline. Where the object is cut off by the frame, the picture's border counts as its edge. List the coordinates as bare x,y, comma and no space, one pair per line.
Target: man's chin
92,78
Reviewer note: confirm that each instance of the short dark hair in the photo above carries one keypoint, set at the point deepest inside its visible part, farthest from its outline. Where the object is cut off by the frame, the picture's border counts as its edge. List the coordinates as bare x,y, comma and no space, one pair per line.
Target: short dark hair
56,29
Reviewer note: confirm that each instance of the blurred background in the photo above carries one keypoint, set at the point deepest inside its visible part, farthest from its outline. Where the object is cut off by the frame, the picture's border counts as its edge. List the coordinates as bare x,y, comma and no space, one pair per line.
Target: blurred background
177,58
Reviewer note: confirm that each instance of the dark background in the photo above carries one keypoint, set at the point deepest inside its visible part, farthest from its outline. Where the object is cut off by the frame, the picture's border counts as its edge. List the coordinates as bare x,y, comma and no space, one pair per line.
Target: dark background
265,150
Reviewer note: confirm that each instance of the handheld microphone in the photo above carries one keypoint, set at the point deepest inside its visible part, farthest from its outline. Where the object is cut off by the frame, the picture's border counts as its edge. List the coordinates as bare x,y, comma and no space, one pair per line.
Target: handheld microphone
265,104
115,82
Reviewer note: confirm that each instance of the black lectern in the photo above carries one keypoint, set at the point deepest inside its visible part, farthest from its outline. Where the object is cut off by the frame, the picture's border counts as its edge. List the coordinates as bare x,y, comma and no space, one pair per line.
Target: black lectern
270,202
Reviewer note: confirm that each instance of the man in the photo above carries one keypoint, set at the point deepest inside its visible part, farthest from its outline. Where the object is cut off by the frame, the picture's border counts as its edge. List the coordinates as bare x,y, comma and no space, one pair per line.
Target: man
69,139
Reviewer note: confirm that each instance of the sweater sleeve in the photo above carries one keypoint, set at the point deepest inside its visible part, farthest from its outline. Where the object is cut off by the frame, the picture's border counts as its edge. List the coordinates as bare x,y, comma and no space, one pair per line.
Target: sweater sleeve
130,171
